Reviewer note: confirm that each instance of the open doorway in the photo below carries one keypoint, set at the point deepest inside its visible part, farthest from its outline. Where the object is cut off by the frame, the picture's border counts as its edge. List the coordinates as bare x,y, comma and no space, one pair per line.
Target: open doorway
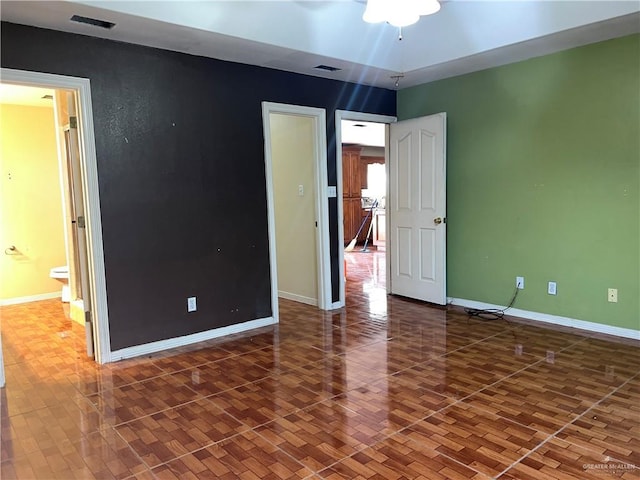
31,214
362,156
74,138
415,240
364,191
42,213
292,155
295,171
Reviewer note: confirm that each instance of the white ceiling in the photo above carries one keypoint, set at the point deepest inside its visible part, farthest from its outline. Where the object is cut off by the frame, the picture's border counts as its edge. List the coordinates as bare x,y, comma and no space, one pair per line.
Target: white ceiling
363,133
297,35
31,96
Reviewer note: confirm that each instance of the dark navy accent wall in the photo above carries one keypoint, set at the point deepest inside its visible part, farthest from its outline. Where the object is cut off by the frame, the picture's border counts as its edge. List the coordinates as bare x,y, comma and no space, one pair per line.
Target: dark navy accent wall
181,174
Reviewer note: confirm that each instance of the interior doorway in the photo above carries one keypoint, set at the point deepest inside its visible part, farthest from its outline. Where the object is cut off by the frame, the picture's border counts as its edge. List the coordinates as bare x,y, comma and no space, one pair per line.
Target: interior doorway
362,156
292,161
42,201
94,294
297,200
364,191
415,159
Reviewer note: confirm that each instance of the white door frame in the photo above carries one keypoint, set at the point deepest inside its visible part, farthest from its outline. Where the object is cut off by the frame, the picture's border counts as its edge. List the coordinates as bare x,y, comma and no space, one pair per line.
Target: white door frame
97,280
359,117
318,115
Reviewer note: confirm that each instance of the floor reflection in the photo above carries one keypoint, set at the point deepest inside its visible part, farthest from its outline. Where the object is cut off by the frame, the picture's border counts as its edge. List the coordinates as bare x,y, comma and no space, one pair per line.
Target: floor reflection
366,279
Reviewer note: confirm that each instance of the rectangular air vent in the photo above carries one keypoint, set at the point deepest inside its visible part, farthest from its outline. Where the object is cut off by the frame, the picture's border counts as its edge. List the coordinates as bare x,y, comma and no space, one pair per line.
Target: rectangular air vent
328,68
93,21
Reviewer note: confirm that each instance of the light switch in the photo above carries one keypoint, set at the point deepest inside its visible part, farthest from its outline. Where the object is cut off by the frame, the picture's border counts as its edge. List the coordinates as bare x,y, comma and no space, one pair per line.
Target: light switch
300,190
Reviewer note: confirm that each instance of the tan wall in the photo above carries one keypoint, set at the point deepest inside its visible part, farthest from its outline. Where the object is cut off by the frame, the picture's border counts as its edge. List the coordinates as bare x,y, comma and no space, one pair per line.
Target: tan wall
292,143
30,202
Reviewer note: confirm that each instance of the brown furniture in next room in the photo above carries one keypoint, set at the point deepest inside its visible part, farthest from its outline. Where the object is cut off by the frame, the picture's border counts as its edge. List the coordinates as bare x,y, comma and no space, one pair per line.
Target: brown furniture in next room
351,193
354,180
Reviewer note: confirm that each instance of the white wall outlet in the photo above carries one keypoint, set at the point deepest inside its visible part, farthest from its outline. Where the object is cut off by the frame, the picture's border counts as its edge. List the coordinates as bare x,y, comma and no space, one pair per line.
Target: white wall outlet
612,295
551,288
332,191
301,190
520,283
191,304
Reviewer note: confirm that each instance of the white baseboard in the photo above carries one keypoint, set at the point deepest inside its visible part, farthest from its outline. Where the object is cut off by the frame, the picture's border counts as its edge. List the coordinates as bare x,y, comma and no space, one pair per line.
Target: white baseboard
298,298
553,319
30,298
337,305
160,345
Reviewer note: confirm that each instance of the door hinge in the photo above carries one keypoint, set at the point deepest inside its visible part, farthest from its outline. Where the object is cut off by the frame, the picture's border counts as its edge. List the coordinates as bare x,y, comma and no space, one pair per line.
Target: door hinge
81,223
73,122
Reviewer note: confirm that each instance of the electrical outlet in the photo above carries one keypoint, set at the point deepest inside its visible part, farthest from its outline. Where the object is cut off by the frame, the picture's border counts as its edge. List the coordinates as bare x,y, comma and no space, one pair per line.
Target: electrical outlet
301,190
612,295
520,283
191,304
551,288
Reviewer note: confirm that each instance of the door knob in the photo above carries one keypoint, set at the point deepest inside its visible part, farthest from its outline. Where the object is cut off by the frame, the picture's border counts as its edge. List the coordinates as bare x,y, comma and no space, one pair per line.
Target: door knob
437,220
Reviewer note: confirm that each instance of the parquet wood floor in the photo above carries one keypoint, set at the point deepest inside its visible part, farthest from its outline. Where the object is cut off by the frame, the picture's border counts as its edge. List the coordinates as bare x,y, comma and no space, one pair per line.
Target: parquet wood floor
386,388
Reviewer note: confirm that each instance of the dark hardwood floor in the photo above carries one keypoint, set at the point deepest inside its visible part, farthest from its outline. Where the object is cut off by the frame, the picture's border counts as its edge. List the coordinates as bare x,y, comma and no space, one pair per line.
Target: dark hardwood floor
385,388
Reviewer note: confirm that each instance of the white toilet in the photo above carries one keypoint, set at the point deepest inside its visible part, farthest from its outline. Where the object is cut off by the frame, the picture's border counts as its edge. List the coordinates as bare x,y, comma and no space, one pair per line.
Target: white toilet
62,275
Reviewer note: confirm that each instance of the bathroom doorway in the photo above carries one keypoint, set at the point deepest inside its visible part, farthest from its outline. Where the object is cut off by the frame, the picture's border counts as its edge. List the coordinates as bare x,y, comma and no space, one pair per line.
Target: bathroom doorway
78,199
42,201
32,226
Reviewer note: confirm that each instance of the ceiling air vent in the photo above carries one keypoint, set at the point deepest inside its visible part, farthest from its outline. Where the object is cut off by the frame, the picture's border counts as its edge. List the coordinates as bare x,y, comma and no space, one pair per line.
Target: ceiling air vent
93,21
328,68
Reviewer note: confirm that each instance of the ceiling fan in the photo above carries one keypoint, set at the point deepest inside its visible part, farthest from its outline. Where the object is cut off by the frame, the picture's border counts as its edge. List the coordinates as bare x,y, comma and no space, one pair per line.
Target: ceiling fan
399,13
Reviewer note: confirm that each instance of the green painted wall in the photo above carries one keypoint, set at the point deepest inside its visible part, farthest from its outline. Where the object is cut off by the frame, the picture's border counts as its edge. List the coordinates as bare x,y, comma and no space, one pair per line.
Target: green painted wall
543,173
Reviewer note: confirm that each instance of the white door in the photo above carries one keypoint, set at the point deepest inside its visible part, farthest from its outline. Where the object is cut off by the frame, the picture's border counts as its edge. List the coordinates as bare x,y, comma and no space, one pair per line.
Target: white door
417,208
78,257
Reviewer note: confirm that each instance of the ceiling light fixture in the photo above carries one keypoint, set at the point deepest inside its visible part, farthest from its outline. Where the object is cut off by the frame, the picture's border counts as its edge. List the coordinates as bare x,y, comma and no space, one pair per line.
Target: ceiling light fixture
397,79
399,13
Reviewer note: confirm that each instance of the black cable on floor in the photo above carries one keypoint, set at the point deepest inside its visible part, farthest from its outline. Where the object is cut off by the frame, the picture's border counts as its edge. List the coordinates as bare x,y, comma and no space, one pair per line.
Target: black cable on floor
492,313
